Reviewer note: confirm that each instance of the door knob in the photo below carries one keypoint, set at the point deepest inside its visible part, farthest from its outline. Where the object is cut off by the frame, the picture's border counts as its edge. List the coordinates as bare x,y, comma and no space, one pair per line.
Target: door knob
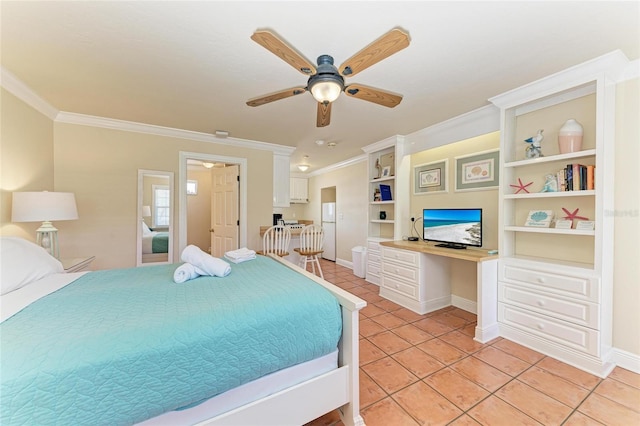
211,230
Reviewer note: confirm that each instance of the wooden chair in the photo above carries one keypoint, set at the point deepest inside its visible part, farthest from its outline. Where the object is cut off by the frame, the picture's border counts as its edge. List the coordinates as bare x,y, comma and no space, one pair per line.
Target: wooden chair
276,240
311,242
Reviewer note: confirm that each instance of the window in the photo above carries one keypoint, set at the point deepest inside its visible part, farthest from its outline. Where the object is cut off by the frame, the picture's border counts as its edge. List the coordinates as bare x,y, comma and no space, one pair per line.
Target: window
161,205
192,187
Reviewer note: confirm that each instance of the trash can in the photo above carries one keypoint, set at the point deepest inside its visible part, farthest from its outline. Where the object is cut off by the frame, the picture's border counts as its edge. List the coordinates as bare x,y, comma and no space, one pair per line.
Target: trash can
358,258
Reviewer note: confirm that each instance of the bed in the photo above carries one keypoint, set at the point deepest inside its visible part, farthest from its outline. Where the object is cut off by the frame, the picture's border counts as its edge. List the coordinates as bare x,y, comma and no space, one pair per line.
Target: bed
155,245
268,344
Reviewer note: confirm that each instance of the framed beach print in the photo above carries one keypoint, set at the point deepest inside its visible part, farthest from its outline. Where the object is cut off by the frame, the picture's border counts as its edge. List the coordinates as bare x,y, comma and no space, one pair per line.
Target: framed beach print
386,171
478,171
430,178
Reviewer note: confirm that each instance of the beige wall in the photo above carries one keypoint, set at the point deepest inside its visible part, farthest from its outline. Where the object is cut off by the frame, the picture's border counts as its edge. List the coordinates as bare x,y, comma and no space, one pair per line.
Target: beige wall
463,274
351,205
100,166
26,160
626,288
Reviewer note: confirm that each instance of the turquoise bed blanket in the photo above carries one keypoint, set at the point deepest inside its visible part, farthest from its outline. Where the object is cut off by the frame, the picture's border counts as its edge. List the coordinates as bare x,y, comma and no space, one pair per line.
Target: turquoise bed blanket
120,346
160,243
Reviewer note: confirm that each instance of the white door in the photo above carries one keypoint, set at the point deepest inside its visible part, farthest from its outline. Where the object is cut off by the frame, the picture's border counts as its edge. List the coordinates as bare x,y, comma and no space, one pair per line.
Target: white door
224,209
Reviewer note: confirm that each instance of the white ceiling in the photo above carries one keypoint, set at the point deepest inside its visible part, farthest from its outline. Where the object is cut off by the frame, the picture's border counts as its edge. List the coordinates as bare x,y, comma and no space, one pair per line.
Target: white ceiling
192,65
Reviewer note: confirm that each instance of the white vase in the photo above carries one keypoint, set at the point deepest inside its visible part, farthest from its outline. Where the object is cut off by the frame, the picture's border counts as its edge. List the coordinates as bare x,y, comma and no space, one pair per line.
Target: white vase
570,137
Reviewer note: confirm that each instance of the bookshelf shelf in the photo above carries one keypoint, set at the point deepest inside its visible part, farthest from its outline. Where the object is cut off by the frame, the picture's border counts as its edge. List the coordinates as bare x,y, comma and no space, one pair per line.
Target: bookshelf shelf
548,230
558,157
559,194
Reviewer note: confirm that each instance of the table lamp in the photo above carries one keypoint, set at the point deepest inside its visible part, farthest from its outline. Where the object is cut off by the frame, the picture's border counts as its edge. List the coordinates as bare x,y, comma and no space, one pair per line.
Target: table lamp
46,207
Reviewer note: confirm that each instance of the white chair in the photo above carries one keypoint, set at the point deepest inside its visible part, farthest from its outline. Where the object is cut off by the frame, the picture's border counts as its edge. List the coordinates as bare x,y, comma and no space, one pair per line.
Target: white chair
311,242
276,240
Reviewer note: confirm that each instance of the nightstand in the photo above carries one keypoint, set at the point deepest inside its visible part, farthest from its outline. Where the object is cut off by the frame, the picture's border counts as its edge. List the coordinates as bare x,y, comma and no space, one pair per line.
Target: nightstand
76,264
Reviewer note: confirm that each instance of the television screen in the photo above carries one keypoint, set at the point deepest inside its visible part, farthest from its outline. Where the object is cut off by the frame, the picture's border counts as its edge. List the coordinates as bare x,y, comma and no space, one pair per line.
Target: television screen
454,228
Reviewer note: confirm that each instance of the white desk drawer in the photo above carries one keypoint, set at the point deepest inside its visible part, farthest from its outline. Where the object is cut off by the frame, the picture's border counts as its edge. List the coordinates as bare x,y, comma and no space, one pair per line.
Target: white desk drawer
399,270
410,258
373,246
373,257
400,286
373,268
574,310
570,335
583,287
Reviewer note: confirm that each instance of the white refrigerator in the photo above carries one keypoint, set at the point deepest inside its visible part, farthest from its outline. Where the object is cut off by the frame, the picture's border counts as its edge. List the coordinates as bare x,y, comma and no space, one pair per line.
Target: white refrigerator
329,226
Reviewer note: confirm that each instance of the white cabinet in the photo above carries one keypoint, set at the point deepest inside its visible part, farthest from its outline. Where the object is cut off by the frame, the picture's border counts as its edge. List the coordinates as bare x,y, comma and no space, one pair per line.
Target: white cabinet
280,180
415,280
386,167
555,285
299,190
374,261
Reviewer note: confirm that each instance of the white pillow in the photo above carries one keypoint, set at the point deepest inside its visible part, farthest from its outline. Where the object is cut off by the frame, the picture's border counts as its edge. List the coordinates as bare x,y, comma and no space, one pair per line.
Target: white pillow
145,229
24,262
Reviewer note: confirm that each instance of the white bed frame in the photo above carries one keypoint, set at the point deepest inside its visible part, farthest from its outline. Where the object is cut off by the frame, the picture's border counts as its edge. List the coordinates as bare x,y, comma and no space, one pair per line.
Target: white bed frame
306,401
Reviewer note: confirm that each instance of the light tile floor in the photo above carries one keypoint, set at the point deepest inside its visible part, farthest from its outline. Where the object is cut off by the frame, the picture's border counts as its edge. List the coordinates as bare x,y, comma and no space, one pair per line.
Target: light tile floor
428,370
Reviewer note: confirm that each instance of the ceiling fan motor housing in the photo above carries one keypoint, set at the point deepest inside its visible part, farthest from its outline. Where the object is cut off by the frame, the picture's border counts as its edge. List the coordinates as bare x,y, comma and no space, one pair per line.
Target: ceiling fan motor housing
326,72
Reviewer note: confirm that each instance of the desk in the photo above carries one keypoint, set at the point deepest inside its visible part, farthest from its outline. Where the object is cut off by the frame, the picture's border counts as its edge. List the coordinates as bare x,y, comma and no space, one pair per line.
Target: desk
416,275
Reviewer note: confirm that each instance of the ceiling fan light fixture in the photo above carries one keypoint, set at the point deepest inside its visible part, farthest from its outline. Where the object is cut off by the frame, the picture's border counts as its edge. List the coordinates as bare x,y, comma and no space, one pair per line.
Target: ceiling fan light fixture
326,89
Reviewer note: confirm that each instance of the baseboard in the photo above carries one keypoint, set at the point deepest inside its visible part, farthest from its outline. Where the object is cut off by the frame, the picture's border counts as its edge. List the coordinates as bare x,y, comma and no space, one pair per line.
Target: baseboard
627,360
345,263
464,304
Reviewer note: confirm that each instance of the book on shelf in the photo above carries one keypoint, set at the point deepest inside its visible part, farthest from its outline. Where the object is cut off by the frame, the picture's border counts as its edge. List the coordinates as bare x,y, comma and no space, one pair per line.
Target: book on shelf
576,177
385,193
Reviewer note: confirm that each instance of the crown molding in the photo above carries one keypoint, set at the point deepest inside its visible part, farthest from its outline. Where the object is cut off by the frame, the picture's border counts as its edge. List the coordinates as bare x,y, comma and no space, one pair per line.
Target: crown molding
346,163
23,92
465,126
130,126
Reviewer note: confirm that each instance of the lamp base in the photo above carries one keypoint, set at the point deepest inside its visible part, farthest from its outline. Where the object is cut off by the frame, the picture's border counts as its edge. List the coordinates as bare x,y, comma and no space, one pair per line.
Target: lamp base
47,238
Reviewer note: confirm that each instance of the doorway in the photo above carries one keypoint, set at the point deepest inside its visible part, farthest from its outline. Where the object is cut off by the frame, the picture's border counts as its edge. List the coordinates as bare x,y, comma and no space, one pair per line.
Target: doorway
235,202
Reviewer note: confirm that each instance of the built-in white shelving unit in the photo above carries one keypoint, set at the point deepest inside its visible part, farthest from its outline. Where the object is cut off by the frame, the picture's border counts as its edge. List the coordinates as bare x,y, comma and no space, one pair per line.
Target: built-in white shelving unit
555,285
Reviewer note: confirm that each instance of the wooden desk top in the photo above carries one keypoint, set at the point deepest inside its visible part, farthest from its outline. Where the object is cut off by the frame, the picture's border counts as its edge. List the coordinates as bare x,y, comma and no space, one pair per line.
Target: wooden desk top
471,254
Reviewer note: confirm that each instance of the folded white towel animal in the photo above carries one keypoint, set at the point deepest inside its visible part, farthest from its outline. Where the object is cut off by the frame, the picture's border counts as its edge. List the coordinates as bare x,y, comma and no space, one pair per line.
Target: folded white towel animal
205,264
240,255
185,272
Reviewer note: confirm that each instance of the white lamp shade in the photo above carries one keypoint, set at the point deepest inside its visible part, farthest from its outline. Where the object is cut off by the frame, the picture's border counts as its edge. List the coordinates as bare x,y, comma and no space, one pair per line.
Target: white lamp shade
146,211
43,206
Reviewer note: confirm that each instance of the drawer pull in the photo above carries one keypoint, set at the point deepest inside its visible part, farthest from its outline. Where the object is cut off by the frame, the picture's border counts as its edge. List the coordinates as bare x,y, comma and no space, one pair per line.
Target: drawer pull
541,280
541,326
540,302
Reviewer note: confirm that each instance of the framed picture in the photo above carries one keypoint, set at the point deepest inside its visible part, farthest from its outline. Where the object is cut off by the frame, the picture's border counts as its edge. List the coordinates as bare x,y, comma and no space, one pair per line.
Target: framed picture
430,178
386,171
477,171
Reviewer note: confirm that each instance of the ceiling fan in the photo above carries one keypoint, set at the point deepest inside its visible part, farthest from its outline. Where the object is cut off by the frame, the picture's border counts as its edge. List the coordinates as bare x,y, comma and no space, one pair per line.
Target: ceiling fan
326,82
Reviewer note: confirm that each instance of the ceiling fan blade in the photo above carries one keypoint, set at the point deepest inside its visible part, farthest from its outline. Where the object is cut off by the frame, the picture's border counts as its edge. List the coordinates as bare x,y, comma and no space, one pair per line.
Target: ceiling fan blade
279,48
374,95
390,43
276,96
324,114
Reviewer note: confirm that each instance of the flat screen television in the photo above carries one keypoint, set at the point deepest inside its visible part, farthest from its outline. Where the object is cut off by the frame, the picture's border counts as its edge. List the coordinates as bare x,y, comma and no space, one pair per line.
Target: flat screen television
453,228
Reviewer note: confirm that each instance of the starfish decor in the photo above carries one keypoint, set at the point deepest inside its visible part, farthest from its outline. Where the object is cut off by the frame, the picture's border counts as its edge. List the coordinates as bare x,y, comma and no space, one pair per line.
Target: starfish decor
521,186
573,215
